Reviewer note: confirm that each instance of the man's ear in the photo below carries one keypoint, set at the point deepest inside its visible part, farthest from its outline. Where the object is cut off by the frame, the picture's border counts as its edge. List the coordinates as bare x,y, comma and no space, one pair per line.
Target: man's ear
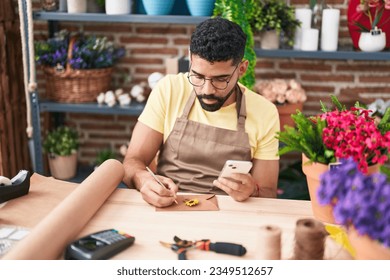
243,67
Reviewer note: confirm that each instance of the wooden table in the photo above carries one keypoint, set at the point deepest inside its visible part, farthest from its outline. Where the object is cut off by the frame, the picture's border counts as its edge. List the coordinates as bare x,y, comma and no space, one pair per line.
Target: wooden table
125,210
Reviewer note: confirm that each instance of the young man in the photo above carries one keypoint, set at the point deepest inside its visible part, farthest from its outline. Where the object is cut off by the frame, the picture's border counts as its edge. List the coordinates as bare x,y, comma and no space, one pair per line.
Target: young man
202,118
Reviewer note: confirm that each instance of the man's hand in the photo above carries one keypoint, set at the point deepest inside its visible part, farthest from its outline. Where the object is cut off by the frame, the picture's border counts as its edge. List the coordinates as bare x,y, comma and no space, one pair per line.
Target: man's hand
155,194
239,186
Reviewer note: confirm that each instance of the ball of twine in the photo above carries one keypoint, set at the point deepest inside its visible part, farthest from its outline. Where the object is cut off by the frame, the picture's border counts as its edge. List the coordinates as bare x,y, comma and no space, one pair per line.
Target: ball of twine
269,243
310,237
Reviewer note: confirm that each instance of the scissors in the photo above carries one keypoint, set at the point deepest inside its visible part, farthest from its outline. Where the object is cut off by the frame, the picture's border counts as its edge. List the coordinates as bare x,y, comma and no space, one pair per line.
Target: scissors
181,246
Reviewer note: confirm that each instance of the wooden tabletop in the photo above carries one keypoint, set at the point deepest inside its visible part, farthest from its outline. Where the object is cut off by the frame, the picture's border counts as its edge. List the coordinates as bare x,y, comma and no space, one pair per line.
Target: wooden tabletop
125,210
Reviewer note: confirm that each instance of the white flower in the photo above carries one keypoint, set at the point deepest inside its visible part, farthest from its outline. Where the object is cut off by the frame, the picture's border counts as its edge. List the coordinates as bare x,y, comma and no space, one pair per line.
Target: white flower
281,91
379,106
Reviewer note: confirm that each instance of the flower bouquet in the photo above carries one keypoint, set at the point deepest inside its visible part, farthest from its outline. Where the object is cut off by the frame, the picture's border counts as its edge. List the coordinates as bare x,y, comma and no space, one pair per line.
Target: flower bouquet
361,203
369,15
333,135
77,68
289,96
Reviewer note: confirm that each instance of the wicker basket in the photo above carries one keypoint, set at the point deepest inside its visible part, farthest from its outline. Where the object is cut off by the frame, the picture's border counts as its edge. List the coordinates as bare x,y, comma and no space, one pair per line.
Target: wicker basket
75,85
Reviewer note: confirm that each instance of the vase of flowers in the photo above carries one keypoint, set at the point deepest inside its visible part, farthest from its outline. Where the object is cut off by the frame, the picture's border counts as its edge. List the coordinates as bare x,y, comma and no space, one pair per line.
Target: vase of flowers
78,67
289,97
371,18
335,134
361,204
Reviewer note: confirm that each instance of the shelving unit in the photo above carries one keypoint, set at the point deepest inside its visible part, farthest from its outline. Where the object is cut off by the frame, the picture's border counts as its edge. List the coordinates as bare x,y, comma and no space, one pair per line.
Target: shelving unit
342,54
131,18
135,108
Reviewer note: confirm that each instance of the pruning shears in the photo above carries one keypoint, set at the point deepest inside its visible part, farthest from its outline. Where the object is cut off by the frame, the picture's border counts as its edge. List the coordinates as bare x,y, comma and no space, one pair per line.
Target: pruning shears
181,247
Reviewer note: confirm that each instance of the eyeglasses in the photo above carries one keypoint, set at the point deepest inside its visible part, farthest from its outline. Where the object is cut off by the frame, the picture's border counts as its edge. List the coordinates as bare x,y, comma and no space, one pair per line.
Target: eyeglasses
218,83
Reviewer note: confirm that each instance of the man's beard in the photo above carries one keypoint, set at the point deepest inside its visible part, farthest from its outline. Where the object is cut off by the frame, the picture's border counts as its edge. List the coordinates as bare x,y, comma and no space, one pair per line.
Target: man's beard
214,106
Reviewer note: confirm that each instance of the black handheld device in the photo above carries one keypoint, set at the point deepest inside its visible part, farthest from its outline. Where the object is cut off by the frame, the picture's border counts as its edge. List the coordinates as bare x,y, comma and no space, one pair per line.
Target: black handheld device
100,245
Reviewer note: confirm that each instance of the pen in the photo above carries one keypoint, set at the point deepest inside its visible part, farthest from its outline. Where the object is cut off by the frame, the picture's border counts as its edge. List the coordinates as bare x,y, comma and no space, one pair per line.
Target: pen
158,181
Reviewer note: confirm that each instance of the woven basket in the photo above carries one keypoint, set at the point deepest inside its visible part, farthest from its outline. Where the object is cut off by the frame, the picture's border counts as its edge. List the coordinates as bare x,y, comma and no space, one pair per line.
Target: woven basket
75,85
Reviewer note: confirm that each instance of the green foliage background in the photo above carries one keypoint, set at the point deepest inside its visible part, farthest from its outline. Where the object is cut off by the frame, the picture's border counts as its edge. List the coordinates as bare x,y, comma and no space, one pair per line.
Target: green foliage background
239,11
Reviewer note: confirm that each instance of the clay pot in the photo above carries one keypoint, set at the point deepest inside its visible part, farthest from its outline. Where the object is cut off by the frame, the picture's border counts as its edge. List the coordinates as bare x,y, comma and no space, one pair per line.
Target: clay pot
63,167
367,248
313,171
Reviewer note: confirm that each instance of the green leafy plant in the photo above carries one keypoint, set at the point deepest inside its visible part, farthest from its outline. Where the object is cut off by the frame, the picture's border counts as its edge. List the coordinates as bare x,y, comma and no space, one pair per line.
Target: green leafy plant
274,15
62,141
104,155
337,134
239,11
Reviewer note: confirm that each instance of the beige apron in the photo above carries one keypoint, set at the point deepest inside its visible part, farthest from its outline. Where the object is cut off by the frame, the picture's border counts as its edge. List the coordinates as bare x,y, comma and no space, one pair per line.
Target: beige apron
194,153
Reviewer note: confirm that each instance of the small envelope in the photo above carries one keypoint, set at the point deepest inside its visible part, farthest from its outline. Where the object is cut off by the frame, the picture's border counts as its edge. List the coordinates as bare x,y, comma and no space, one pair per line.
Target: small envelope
207,202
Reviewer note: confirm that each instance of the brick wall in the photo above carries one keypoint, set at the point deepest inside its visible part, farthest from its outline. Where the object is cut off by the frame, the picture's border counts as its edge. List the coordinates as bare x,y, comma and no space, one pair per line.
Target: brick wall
148,45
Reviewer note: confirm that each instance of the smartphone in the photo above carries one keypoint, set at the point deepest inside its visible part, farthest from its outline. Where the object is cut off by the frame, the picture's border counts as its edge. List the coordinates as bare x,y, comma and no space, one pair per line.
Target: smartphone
235,166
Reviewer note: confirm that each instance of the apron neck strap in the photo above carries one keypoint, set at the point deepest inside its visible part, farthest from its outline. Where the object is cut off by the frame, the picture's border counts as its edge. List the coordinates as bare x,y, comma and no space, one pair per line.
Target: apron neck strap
189,104
241,109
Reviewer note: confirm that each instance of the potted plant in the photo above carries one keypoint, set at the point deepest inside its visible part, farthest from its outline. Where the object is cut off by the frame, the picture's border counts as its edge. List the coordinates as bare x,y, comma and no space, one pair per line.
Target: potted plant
77,67
61,145
369,24
273,18
289,97
104,155
239,12
361,204
335,134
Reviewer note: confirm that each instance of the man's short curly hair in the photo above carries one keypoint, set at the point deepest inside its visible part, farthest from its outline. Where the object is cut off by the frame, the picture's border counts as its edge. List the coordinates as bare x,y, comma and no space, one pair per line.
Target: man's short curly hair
218,39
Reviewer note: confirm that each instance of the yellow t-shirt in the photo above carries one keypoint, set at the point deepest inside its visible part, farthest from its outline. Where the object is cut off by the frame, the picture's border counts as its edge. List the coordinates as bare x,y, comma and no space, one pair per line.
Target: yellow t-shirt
169,97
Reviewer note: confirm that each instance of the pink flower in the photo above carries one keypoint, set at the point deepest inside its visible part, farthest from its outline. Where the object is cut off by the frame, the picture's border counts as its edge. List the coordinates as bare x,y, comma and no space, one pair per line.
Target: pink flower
373,10
354,134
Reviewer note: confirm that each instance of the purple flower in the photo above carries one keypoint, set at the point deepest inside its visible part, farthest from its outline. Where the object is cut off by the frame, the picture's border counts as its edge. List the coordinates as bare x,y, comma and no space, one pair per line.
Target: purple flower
358,200
88,52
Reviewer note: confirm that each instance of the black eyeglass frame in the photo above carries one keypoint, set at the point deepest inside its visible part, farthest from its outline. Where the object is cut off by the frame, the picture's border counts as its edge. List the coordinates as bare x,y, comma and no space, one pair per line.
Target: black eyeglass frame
211,79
